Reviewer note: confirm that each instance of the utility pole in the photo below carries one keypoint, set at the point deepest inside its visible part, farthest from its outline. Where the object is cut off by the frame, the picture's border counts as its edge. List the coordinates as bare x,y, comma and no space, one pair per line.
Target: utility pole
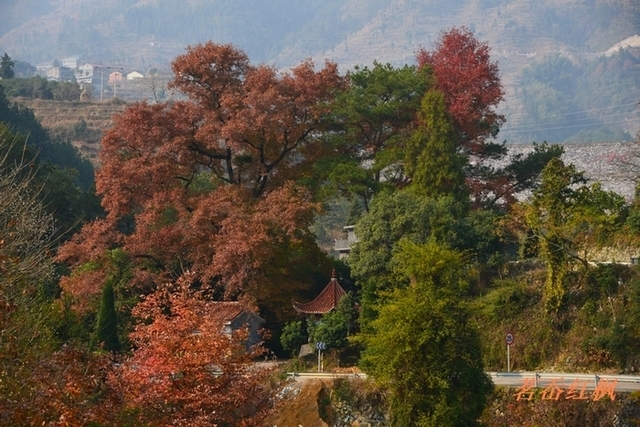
102,68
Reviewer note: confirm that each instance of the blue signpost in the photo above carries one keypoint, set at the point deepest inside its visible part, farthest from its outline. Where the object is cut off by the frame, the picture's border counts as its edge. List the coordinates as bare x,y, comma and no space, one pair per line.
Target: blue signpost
320,346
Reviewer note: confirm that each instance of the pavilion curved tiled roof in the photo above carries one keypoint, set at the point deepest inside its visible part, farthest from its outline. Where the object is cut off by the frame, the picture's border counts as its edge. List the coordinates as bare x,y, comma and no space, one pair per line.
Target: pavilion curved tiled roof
326,301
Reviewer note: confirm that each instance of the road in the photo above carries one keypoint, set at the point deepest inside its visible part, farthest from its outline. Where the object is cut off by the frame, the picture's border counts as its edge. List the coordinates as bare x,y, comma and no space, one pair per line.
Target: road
541,380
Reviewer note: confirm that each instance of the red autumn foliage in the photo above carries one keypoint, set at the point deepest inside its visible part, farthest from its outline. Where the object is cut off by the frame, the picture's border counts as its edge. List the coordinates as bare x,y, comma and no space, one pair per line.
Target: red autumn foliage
470,82
184,370
207,185
67,389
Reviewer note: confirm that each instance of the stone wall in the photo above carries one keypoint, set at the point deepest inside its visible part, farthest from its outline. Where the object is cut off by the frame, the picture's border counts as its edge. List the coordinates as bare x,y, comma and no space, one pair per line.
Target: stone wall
614,164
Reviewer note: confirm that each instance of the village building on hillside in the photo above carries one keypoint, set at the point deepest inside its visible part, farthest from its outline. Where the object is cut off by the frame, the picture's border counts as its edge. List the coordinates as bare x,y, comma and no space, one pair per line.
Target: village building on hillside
72,62
56,73
343,246
115,76
233,316
134,75
326,301
85,73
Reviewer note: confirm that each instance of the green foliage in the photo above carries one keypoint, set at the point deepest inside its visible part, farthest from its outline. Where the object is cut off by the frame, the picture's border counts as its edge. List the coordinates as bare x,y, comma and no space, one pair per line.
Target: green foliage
522,172
63,175
633,220
65,91
6,67
422,348
514,305
41,88
506,301
608,310
431,264
293,336
72,326
597,329
27,276
432,161
106,335
119,275
374,116
403,215
566,221
33,87
603,281
61,153
333,328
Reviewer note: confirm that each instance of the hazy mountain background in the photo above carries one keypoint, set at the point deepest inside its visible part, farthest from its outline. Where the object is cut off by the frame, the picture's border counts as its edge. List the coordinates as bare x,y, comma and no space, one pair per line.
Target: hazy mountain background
565,77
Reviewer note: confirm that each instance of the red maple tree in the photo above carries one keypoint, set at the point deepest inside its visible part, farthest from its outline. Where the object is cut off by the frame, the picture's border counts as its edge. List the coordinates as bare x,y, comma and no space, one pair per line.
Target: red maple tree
470,82
208,184
184,370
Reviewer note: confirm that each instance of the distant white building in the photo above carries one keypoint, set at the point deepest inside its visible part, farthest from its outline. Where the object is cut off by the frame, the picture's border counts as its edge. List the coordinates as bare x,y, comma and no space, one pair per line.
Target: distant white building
56,73
343,246
71,62
85,73
134,75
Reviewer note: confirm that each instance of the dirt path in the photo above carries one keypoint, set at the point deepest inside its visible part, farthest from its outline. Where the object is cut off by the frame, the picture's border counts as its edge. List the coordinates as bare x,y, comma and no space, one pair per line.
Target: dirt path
301,409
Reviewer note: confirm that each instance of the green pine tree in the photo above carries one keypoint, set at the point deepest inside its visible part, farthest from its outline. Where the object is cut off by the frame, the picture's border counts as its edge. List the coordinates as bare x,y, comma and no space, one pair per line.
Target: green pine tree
6,67
423,349
107,328
431,159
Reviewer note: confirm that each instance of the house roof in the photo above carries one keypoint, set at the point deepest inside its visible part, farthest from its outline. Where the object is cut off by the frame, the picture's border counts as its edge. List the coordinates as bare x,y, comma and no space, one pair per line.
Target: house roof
326,301
226,311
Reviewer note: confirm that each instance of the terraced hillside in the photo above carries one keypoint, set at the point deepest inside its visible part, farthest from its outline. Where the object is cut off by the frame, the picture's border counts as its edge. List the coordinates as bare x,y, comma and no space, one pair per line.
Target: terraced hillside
83,123
611,163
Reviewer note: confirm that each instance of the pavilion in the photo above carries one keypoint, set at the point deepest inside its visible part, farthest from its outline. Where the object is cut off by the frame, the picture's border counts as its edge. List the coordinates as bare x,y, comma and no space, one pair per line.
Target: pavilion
326,301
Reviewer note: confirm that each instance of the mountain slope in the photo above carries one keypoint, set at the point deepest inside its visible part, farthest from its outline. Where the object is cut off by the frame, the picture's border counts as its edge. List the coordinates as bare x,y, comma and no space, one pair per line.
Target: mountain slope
141,34
286,31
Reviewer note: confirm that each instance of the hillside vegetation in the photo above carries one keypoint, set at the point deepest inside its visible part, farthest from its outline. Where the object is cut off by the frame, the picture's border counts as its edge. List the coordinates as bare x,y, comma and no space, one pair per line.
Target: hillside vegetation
209,204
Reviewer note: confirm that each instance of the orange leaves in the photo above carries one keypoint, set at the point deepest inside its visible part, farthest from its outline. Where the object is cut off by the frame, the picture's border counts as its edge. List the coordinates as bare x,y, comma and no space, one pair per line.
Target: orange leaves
209,70
205,184
147,151
275,116
184,369
72,391
249,232
86,253
263,117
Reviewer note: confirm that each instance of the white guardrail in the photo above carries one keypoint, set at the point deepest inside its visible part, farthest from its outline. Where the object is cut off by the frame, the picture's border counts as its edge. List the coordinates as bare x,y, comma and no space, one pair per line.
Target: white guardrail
329,375
632,381
503,377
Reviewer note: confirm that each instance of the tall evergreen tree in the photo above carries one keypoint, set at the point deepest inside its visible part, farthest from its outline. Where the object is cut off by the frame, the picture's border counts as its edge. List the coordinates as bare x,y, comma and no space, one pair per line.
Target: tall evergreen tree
422,349
107,328
375,116
6,67
432,160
